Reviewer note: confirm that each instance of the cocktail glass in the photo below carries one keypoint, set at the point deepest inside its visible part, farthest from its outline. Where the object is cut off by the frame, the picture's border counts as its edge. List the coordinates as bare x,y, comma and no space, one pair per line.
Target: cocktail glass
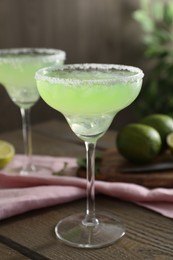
89,96
17,70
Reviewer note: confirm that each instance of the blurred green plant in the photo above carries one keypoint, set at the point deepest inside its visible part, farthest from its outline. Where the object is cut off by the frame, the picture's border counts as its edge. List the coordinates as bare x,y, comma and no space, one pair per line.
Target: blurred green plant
156,19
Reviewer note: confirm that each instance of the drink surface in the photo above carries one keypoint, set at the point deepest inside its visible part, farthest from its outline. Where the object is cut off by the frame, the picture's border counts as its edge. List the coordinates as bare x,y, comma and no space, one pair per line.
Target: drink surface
88,93
17,76
88,99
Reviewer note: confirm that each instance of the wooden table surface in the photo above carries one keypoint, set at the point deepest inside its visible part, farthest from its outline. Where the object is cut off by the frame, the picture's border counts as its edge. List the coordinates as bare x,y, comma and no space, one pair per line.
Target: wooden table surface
149,236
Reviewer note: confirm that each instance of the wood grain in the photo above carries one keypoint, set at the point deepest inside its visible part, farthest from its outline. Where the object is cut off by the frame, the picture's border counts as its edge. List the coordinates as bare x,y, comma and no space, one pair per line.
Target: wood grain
90,31
7,253
148,235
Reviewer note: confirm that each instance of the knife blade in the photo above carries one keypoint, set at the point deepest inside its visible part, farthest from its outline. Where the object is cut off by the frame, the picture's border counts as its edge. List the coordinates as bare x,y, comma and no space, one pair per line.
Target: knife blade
157,167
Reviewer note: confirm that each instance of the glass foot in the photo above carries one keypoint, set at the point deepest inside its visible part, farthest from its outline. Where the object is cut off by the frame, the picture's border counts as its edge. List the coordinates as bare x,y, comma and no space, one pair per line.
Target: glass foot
73,231
32,170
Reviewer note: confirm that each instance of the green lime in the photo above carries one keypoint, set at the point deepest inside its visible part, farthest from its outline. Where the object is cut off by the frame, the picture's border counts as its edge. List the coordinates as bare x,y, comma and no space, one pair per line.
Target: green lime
169,141
139,143
7,152
162,123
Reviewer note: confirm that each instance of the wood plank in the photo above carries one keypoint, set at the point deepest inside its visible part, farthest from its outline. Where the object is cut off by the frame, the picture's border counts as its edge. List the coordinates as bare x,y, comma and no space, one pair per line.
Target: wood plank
7,253
22,249
37,232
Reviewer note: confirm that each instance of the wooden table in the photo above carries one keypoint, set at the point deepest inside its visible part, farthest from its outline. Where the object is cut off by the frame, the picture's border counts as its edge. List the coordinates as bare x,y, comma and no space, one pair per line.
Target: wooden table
149,236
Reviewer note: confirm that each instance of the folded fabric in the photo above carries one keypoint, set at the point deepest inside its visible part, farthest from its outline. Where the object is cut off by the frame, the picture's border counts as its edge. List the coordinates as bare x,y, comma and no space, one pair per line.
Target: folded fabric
19,194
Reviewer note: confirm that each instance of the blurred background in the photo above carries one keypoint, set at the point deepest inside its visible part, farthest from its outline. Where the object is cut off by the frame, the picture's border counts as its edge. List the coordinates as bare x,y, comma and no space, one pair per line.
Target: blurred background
96,31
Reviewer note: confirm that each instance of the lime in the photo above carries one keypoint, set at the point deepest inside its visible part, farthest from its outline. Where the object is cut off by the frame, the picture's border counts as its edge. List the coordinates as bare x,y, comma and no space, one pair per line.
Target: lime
162,123
7,152
169,141
138,143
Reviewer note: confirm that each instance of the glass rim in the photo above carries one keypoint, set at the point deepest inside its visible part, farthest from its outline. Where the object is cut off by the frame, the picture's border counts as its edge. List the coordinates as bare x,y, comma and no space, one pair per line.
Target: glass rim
50,52
40,74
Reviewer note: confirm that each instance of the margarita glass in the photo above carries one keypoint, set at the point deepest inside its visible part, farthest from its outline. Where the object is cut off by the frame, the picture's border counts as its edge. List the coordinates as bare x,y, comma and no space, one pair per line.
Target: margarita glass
89,96
17,70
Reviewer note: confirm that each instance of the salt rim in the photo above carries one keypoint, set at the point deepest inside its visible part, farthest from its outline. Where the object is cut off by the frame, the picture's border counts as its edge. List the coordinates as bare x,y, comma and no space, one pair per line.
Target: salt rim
105,67
50,54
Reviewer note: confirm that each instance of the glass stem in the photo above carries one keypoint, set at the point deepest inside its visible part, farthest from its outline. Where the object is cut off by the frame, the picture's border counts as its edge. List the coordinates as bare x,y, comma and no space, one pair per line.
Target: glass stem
27,139
90,218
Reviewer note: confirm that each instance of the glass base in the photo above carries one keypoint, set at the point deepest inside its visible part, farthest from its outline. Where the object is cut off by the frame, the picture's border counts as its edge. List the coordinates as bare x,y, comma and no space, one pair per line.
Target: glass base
33,170
30,169
74,231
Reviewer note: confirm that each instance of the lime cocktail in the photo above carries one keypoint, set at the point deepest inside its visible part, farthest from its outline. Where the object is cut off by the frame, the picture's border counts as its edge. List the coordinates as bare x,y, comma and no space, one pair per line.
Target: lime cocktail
89,96
17,70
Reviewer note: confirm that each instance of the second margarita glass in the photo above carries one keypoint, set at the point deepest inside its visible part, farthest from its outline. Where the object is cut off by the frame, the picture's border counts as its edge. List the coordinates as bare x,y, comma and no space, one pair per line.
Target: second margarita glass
17,70
89,96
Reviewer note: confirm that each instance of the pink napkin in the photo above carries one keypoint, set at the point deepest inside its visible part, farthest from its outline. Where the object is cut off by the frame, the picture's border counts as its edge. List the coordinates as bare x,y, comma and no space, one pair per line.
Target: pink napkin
19,194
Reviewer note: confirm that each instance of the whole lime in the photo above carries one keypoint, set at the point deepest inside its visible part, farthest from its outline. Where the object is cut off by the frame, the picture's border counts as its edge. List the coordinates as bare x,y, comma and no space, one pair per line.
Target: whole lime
138,143
162,123
169,141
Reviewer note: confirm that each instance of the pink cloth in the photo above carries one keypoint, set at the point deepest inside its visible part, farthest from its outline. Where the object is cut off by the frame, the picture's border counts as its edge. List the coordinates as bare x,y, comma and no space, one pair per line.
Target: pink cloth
19,194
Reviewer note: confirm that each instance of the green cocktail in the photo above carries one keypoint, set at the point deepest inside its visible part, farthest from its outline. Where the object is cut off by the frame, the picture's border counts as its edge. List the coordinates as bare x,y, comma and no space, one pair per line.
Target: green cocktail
17,70
89,96
88,99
